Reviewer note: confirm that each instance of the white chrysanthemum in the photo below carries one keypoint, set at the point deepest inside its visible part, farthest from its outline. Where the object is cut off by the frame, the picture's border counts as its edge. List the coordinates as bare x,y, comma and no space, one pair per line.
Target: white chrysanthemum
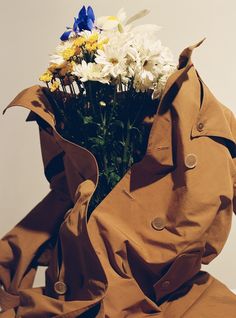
159,86
114,56
99,36
151,61
119,21
89,72
111,22
131,61
64,45
112,60
146,67
57,57
165,56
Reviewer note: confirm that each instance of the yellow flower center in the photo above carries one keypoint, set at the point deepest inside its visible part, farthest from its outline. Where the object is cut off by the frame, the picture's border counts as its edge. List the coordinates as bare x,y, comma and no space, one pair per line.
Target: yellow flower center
68,53
79,41
91,47
112,18
113,60
54,86
93,38
46,77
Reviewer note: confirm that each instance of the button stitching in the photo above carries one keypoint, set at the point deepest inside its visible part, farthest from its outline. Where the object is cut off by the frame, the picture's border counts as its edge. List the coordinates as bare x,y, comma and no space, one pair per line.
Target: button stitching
158,223
165,284
200,126
60,287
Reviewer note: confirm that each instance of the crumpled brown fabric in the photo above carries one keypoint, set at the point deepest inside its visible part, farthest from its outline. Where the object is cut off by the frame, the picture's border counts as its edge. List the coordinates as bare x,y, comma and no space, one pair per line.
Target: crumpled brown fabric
140,252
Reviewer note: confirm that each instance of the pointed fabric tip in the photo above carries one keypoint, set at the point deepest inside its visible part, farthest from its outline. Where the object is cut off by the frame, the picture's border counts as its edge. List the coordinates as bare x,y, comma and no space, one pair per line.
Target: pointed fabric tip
185,56
197,44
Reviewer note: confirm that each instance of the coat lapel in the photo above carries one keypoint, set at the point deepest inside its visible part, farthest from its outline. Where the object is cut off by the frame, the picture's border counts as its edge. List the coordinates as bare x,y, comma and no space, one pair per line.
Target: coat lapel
35,100
159,156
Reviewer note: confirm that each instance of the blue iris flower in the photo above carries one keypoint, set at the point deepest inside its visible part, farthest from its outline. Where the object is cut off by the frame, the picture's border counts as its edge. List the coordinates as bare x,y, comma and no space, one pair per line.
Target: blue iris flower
84,21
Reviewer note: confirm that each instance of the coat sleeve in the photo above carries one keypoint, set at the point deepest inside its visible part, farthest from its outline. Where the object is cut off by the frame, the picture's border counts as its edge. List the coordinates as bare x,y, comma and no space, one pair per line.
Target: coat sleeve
27,244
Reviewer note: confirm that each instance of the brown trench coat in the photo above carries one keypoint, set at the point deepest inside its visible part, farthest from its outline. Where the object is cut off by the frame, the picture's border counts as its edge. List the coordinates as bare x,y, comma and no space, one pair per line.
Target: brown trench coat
140,253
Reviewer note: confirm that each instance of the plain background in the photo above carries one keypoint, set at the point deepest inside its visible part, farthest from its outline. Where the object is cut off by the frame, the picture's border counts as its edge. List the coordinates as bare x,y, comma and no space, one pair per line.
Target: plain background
30,30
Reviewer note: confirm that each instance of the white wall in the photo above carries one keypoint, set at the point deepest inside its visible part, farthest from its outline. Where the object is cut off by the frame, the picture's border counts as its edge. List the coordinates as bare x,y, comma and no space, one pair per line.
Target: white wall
29,32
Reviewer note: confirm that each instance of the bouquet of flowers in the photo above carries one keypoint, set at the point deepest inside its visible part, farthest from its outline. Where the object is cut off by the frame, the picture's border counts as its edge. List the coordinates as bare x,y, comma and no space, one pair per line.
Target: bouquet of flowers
104,82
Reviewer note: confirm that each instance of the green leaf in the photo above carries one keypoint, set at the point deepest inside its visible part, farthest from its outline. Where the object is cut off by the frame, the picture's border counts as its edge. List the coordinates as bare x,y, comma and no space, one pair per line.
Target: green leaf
122,143
88,119
97,140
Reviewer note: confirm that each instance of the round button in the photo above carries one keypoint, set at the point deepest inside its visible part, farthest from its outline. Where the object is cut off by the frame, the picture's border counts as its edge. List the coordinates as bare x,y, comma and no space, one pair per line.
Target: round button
158,224
191,160
60,287
165,284
200,126
1,309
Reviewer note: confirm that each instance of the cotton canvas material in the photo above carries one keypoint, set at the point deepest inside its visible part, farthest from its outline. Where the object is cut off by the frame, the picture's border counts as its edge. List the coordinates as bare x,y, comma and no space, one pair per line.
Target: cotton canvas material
140,252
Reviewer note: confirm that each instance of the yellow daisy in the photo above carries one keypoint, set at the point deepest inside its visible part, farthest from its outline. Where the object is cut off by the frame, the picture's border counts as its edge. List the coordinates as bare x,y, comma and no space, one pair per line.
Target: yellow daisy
46,77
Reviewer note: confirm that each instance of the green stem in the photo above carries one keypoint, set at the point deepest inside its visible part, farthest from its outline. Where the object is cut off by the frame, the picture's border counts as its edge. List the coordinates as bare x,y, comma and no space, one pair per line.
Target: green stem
137,114
101,115
113,104
105,161
127,141
104,130
91,96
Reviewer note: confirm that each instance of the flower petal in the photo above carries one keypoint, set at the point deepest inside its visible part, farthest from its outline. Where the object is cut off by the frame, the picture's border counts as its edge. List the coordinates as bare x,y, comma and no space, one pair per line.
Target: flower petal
82,13
75,25
89,24
90,13
138,15
65,35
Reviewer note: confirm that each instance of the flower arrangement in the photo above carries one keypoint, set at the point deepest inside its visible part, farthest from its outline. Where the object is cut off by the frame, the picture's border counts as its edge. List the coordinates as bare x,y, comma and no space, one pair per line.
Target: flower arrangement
104,81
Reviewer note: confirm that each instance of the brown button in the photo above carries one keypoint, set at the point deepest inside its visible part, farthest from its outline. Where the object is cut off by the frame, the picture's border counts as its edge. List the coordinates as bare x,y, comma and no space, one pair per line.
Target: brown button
60,287
191,160
165,284
158,224
200,126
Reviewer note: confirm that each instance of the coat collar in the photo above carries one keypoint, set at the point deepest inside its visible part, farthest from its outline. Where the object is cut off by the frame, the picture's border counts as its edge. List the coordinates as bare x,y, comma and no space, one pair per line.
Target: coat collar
216,120
159,156
213,115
